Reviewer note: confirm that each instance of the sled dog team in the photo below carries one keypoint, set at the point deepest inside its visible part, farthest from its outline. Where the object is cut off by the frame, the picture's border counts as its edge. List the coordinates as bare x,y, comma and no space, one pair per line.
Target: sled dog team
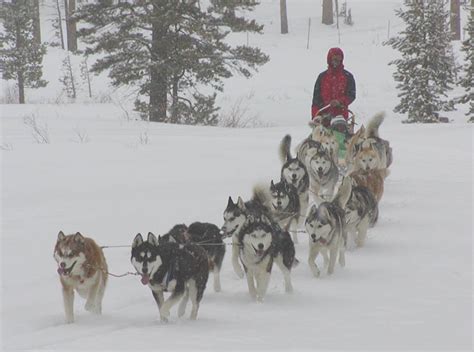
179,262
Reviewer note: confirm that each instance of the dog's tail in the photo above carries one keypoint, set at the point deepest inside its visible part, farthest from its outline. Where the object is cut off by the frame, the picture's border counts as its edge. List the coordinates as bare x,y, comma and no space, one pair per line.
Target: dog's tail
344,192
372,129
284,151
260,194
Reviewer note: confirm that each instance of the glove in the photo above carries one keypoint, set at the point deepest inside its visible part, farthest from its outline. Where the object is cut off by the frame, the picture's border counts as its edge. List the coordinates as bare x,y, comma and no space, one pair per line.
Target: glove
335,103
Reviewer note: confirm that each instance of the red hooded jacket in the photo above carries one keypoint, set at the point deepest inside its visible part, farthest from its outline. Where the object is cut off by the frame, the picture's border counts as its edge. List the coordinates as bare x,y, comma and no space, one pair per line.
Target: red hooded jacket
334,83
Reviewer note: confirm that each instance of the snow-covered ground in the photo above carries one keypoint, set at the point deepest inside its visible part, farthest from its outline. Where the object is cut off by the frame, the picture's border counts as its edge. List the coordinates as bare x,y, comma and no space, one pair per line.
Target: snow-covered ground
409,288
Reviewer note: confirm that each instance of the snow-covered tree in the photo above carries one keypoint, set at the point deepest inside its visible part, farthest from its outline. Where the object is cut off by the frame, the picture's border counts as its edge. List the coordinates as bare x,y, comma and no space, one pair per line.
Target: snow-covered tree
425,71
68,78
173,51
20,54
467,80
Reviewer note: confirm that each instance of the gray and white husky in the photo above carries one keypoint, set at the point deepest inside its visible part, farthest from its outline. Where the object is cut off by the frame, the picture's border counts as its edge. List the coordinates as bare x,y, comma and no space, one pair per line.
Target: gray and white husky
260,245
323,174
294,173
361,212
180,269
326,227
236,215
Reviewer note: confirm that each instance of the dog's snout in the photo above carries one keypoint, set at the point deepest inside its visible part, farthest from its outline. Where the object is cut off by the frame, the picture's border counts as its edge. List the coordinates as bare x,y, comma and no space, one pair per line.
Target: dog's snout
313,236
62,265
260,246
293,176
144,270
320,168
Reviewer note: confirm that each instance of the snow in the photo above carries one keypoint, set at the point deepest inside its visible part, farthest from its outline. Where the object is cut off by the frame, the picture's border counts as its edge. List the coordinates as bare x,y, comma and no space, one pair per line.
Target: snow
409,288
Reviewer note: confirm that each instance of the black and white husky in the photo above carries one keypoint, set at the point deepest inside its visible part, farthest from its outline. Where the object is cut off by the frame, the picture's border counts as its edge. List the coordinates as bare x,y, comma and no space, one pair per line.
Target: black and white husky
208,236
284,204
180,269
294,173
260,245
361,213
326,227
236,214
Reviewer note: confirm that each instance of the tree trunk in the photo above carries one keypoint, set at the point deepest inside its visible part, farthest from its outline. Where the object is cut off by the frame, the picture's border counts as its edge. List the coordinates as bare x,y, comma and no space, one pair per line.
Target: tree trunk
36,23
174,97
158,79
283,17
70,7
455,20
60,24
327,12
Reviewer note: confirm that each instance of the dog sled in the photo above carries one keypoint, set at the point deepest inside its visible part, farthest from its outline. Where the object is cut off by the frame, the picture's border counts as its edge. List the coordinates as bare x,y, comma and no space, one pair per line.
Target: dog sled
341,128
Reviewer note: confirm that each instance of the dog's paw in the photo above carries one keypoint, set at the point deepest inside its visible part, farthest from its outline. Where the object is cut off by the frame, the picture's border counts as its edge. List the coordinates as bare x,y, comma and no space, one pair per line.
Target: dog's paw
217,287
316,272
260,299
69,320
289,288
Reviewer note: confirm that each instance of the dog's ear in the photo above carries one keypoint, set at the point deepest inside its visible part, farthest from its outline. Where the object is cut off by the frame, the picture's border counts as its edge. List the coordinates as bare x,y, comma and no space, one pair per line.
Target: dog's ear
230,202
61,236
152,239
313,209
312,124
78,237
272,185
138,240
240,203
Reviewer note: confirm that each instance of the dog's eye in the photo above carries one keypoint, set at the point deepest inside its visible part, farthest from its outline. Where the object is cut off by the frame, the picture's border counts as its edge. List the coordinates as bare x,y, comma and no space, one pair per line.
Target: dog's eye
232,219
254,235
320,225
311,224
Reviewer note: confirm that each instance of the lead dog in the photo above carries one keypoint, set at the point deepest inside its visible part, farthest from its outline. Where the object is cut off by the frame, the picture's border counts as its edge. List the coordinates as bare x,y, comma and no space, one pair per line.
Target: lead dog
170,267
81,268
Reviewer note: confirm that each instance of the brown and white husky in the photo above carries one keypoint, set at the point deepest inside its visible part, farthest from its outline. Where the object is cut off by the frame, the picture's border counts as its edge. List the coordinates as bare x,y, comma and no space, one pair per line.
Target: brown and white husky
81,268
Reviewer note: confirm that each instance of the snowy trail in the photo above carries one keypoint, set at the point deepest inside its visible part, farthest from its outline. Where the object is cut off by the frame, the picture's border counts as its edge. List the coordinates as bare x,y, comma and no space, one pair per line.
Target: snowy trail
408,282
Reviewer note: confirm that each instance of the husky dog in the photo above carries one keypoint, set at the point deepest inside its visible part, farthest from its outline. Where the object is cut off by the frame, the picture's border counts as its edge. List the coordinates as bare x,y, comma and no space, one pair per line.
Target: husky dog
306,149
353,147
326,227
260,246
236,216
372,179
180,269
323,173
178,234
325,136
284,204
294,173
381,145
367,150
206,235
361,213
81,267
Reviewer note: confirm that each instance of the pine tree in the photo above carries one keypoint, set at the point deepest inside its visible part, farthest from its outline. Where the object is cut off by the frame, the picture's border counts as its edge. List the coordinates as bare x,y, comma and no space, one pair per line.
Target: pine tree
68,78
171,50
425,71
467,81
20,54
